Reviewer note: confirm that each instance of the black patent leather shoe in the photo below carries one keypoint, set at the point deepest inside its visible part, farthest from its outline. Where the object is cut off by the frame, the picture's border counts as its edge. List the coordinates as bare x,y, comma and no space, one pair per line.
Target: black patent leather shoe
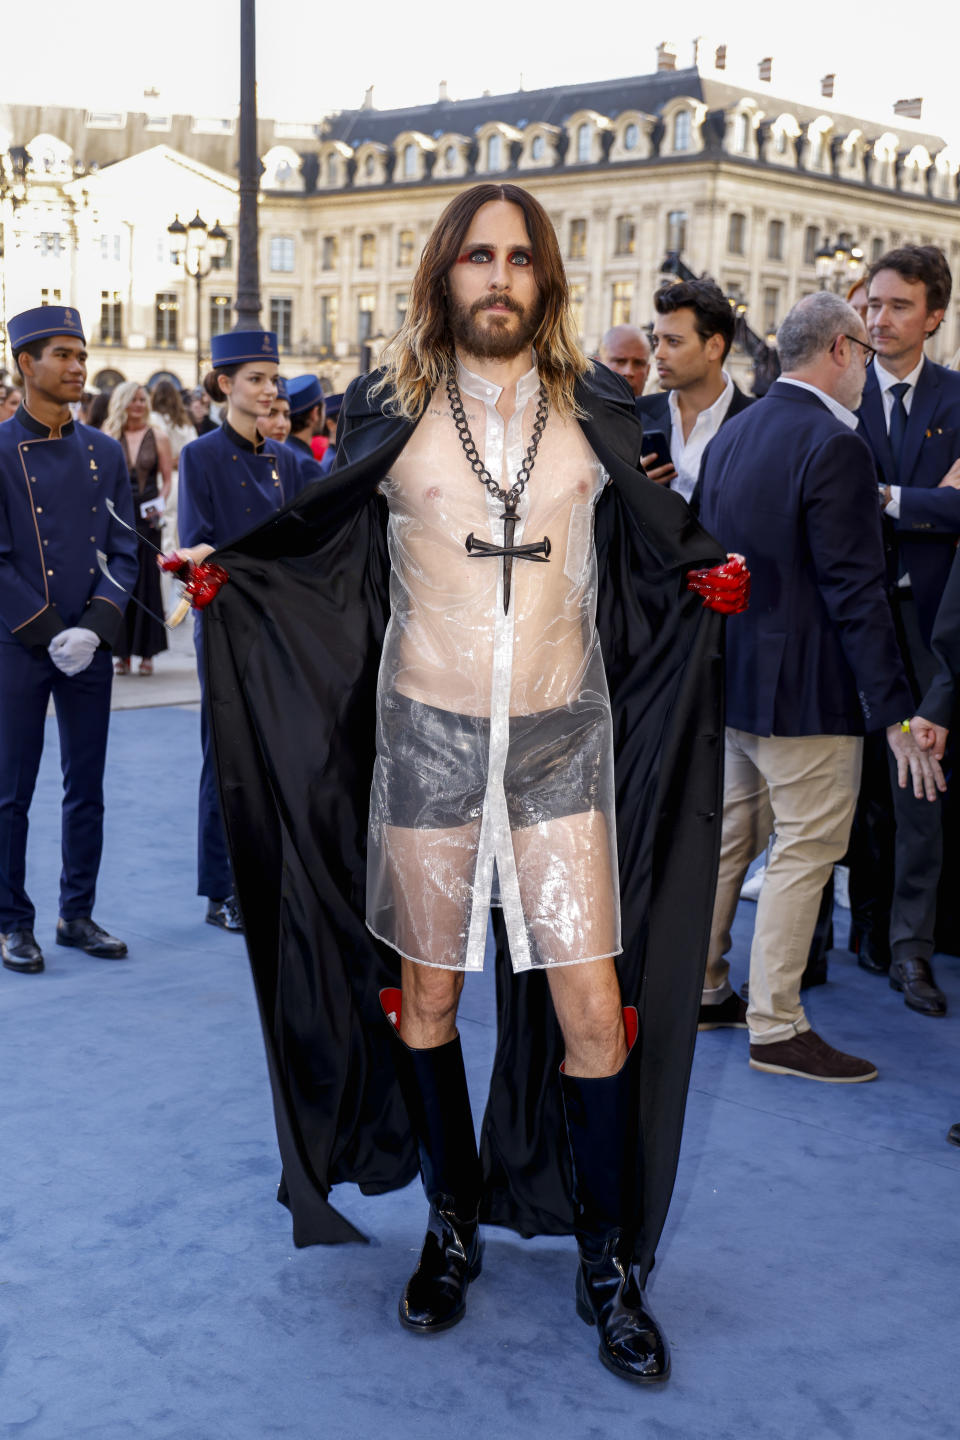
914,978
225,914
21,952
436,1293
632,1345
87,935
872,950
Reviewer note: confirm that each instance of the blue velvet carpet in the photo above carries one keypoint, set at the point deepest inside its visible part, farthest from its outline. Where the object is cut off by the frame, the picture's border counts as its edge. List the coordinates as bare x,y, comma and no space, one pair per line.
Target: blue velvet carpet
149,1290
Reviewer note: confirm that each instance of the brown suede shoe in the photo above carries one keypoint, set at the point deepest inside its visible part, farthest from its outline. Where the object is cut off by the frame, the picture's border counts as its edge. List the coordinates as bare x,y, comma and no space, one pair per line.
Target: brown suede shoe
811,1058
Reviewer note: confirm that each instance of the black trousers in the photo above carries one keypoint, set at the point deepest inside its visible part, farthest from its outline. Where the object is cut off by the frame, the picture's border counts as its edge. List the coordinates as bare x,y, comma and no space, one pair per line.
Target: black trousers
896,846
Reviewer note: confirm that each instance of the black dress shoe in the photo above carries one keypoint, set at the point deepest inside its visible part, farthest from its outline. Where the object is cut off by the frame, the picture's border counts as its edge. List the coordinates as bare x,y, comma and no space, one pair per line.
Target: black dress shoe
225,914
872,949
920,991
730,1014
87,935
21,952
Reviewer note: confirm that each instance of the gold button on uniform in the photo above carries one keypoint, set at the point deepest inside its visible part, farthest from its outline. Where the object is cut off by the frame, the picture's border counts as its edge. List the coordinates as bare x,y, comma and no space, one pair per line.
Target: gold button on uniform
39,509
49,572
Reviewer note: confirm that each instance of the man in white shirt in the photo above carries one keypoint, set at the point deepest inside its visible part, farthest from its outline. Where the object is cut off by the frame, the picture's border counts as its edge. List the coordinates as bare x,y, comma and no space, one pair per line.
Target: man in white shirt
692,336
910,417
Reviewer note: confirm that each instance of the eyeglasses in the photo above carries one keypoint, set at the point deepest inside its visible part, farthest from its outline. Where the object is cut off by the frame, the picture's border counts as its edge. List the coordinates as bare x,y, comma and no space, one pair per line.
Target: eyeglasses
868,351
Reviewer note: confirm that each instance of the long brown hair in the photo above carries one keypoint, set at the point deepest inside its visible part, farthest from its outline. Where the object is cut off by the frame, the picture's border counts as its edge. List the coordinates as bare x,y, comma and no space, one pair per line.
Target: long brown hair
421,354
165,398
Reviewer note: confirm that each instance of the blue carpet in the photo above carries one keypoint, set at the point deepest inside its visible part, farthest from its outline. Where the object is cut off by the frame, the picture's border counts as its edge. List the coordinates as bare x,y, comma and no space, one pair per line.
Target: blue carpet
149,1288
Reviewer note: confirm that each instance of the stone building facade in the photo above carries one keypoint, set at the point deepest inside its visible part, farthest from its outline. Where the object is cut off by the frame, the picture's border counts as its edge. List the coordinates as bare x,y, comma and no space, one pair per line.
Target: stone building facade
744,184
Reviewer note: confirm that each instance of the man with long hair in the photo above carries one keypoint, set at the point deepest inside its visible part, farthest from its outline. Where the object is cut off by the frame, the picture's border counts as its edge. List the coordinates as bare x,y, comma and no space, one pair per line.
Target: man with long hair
497,690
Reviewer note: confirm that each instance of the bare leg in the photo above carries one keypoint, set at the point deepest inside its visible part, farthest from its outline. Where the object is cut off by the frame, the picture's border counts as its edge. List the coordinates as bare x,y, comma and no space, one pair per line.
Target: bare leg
587,1001
428,1015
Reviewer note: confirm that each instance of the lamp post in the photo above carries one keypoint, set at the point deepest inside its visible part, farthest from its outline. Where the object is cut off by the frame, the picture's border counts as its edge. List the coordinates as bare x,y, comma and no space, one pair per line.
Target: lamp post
198,250
247,304
839,265
13,193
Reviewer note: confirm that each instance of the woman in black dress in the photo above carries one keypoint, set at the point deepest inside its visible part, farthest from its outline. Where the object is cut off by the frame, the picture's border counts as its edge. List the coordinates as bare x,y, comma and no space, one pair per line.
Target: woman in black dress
148,457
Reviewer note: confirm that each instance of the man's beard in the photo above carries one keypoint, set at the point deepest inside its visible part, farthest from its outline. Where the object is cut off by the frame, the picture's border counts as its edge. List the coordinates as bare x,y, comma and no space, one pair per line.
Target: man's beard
499,338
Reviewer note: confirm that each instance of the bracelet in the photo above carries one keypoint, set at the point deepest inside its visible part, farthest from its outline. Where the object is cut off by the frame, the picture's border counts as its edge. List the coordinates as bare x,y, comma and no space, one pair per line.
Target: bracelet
905,726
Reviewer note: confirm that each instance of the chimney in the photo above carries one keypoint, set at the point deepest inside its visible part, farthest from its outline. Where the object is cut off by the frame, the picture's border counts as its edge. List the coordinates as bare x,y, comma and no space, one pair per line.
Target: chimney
666,56
720,58
442,93
827,86
367,98
765,68
910,109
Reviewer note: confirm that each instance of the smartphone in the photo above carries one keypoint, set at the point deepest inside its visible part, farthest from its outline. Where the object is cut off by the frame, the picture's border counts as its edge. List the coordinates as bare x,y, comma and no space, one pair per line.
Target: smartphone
656,443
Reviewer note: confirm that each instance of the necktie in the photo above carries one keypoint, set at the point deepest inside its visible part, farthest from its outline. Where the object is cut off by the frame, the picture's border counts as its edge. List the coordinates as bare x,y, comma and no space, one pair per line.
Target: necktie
898,425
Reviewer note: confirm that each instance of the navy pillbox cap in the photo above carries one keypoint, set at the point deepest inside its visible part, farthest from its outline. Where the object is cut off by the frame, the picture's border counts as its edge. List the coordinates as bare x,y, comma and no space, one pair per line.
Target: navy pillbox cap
333,406
305,391
282,392
240,347
41,323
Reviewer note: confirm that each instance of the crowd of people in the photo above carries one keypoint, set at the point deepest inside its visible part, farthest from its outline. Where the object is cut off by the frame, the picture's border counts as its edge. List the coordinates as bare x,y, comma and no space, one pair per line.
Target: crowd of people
492,600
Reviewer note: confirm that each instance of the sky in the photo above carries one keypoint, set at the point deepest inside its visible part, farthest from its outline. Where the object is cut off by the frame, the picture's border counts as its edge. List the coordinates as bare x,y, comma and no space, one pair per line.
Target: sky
310,62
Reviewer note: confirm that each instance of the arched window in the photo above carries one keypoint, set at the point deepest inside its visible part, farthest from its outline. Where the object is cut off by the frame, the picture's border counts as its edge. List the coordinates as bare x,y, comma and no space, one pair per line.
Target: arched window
682,132
494,151
410,161
631,136
584,137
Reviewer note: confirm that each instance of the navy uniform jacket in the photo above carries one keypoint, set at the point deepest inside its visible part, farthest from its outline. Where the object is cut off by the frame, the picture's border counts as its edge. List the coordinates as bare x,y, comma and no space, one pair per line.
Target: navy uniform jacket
53,520
226,488
922,541
940,700
789,486
303,452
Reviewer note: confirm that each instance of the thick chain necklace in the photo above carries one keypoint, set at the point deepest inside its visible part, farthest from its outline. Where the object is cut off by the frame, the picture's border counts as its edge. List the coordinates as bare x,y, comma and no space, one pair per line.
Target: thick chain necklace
508,498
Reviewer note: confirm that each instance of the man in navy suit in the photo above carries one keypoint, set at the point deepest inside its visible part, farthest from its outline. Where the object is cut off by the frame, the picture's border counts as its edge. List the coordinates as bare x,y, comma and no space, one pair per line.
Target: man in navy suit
692,336
910,417
812,664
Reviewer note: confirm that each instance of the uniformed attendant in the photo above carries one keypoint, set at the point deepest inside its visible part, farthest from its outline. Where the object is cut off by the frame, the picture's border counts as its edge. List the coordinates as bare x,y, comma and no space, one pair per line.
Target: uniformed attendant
276,425
231,480
59,616
332,410
306,417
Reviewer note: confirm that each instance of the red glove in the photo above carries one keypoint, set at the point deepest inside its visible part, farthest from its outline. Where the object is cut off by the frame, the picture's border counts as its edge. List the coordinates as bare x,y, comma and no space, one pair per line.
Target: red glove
725,588
200,582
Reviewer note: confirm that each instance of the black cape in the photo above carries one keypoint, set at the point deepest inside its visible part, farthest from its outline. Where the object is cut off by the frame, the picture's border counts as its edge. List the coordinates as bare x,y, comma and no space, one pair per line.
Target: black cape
292,647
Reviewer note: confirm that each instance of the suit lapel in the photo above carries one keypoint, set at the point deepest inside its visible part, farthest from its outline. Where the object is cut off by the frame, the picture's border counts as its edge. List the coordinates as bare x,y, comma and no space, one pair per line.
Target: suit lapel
874,424
922,411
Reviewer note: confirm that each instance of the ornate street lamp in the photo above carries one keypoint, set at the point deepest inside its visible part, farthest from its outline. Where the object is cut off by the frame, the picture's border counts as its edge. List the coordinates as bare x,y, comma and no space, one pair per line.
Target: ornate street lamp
839,265
199,251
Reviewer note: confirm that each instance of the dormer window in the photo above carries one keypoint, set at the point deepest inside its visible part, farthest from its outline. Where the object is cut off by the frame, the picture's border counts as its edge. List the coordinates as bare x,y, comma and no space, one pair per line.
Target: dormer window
538,147
681,130
450,156
494,152
631,136
583,144
333,170
740,133
410,161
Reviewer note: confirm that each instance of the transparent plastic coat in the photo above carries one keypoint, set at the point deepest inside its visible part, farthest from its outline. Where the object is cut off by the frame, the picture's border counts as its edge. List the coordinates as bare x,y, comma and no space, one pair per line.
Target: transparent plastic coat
493,781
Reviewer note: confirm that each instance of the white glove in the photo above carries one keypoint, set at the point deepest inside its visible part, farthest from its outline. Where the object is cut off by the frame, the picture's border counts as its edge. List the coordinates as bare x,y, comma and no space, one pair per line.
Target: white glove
72,650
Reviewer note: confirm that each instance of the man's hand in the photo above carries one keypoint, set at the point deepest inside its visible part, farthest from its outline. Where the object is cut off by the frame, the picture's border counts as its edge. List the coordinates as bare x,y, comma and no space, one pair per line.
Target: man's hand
952,477
885,496
911,760
72,650
725,588
929,736
660,474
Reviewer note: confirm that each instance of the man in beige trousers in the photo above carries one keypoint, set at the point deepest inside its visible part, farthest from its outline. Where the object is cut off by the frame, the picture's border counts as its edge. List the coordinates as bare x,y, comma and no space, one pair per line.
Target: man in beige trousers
812,665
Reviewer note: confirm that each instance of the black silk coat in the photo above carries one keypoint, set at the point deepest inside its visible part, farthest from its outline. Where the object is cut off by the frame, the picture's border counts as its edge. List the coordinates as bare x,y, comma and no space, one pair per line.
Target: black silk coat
292,647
